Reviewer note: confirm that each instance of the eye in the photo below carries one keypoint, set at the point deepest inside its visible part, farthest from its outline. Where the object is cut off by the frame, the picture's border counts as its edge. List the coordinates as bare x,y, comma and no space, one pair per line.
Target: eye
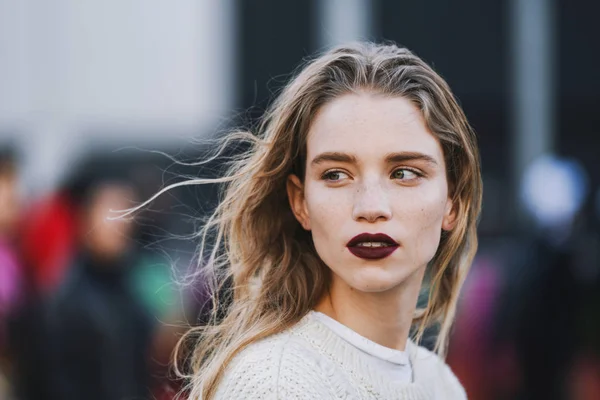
334,176
405,174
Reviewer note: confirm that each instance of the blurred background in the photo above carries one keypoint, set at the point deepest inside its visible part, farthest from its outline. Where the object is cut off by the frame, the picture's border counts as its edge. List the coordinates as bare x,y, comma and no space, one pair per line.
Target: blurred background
92,92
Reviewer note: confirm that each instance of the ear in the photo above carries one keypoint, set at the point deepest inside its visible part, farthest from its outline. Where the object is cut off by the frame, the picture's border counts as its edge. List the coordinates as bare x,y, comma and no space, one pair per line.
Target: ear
449,221
295,191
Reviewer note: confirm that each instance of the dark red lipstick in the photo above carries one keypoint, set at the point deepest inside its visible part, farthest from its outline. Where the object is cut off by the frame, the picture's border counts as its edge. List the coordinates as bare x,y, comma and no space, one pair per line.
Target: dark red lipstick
372,246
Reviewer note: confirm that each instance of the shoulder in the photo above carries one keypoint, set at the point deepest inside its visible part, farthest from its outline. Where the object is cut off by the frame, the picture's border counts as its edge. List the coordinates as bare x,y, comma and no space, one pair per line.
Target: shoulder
429,368
279,367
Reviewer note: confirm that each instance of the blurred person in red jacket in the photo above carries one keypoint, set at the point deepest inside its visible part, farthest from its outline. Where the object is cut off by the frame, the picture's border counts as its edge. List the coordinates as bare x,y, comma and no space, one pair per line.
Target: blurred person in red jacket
48,240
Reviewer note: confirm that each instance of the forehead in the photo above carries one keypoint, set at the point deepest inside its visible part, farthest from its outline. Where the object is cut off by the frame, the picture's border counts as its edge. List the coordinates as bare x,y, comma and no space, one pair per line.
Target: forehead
371,125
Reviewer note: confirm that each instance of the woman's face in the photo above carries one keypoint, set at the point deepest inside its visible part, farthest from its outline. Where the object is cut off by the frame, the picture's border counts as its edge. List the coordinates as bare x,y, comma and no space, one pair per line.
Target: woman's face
373,167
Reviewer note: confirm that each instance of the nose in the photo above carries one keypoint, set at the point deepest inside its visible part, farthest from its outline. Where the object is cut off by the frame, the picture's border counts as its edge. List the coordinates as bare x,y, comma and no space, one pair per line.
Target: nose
371,203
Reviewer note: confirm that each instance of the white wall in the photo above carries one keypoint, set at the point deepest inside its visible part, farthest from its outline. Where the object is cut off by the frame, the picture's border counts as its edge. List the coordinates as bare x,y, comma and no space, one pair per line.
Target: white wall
145,72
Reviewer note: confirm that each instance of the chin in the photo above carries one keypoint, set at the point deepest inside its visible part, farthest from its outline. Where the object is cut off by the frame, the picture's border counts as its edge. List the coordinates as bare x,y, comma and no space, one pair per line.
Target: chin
375,280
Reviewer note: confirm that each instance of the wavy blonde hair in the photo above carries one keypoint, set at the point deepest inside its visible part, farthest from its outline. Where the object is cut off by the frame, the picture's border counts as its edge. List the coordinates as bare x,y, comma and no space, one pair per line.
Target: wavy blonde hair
274,273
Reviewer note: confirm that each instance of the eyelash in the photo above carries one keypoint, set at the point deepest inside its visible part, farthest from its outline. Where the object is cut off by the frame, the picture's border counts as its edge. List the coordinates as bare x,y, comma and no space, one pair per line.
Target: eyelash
414,171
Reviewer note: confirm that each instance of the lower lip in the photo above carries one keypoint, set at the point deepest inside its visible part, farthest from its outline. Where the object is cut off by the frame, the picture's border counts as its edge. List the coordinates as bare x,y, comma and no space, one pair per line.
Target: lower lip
372,253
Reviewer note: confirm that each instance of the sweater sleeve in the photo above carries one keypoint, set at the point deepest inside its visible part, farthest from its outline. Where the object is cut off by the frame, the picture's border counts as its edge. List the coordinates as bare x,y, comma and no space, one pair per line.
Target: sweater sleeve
452,385
272,370
433,372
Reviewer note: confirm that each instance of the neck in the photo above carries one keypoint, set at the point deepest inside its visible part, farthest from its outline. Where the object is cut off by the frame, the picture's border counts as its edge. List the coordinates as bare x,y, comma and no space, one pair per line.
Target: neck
383,317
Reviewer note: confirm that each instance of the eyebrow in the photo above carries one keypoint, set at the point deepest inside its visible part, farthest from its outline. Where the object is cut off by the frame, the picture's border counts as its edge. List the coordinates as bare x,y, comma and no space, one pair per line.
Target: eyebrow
389,158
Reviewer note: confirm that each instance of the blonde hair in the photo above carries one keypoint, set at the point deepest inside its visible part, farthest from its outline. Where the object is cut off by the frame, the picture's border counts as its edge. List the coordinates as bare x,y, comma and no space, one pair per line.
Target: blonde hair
257,245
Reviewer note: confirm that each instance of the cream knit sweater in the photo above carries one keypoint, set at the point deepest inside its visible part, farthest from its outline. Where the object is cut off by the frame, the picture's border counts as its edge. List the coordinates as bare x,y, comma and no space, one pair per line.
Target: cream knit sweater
310,362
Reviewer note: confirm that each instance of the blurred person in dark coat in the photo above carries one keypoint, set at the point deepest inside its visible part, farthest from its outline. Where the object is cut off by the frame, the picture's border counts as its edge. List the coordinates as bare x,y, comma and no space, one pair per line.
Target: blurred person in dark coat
545,314
99,333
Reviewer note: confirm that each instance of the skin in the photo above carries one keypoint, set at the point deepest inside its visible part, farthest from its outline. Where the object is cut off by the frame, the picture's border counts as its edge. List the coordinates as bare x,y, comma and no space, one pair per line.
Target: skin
9,203
106,238
406,198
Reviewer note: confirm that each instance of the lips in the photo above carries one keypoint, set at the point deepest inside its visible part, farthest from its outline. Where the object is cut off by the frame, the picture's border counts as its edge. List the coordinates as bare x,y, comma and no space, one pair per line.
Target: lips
372,253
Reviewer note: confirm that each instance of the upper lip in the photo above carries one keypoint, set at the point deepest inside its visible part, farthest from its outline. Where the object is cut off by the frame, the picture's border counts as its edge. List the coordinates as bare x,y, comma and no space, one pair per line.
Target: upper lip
371,237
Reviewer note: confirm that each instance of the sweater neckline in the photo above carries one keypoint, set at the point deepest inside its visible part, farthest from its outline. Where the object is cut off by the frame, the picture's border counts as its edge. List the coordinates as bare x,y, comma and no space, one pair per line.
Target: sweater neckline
393,356
356,363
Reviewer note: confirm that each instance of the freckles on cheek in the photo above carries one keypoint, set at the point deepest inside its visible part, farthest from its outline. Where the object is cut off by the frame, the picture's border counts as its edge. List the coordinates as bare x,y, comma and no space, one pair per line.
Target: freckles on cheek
432,204
321,214
426,225
431,214
320,202
327,215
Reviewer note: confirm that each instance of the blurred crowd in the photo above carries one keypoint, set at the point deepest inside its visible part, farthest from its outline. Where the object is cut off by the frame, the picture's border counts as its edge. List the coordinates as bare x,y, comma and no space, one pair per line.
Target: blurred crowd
528,325
89,307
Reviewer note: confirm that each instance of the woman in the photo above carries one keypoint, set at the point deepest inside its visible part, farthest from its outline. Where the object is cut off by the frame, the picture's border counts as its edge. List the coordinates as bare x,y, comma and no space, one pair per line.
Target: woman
363,180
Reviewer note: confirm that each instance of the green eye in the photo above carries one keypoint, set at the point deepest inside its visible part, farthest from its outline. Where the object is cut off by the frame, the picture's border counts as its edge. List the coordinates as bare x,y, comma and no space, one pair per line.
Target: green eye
398,174
333,176
404,174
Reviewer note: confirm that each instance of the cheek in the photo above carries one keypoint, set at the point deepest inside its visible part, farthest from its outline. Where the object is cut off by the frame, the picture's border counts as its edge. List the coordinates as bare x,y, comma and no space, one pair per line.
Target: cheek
422,226
328,213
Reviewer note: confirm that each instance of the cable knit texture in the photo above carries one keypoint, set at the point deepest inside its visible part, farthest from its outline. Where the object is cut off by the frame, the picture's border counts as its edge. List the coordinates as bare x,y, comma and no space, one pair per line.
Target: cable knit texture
310,362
